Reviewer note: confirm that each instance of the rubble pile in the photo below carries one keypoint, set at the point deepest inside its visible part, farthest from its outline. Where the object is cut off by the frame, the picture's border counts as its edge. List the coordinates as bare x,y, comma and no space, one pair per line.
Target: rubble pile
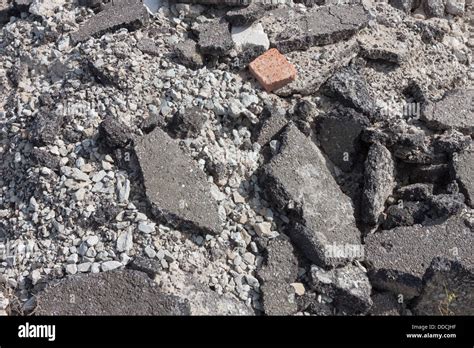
208,157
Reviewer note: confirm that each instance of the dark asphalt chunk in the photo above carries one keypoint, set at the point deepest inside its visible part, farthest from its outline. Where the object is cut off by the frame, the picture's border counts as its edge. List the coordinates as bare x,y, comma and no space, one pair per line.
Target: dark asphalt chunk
175,186
448,288
130,16
379,182
289,31
122,292
454,111
298,180
463,166
398,258
279,270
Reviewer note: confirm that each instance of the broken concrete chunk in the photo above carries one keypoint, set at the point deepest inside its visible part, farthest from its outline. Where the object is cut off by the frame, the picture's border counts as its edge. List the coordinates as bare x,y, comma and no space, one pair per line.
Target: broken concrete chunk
175,186
339,135
215,38
454,111
399,258
379,182
279,270
247,15
448,288
289,31
351,89
114,133
316,65
297,179
109,293
130,16
188,54
245,37
348,286
463,165
272,70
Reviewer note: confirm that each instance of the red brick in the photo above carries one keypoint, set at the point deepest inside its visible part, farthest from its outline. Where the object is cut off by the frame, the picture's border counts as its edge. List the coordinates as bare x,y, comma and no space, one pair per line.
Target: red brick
273,70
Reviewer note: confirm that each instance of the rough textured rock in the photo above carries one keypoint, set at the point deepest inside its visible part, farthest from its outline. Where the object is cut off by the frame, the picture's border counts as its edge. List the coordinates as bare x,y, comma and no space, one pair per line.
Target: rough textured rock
454,111
188,54
175,186
379,182
109,293
114,133
348,286
350,88
289,31
398,259
448,289
339,135
131,16
315,65
215,38
298,179
277,273
463,166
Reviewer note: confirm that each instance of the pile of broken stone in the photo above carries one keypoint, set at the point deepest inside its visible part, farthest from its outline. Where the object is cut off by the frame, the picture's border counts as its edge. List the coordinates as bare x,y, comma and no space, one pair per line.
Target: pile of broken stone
295,158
